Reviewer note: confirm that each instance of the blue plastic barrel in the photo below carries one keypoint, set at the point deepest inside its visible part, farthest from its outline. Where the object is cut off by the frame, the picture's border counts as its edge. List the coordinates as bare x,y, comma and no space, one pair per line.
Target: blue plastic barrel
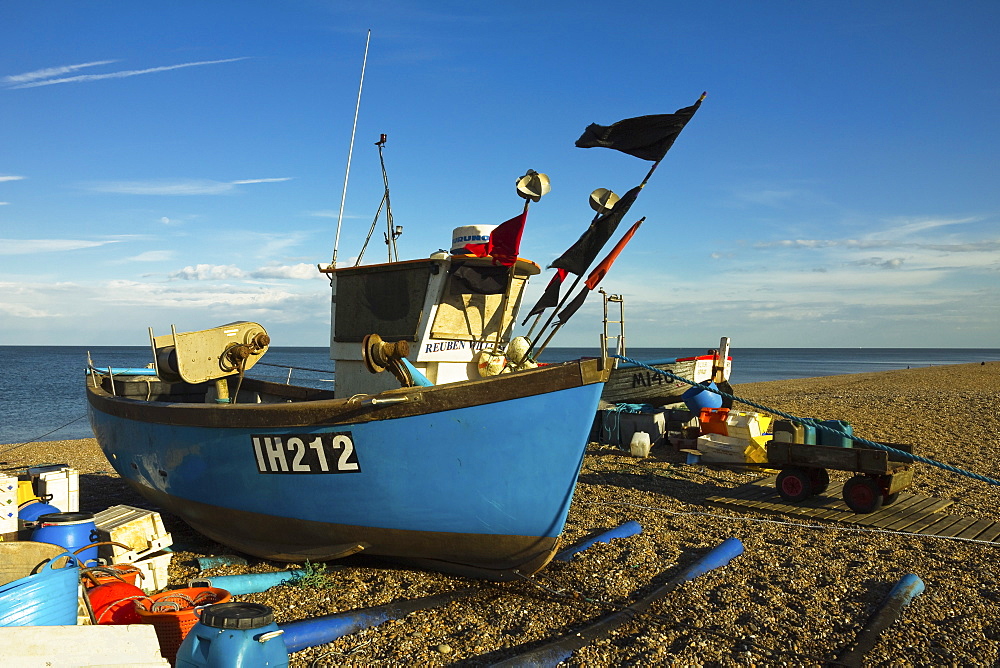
838,440
233,635
30,511
72,531
698,397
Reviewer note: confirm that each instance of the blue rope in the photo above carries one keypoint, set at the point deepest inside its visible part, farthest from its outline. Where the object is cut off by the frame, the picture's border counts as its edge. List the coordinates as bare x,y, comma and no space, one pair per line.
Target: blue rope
611,421
607,428
872,444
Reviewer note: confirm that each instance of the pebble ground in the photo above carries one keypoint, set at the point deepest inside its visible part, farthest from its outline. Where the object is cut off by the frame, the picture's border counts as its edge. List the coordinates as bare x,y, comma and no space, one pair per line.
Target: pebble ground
799,595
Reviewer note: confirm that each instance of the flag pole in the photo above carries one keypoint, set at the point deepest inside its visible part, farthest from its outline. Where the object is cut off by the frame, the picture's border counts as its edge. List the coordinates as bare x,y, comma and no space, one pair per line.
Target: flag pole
596,276
579,276
531,330
642,185
350,151
548,322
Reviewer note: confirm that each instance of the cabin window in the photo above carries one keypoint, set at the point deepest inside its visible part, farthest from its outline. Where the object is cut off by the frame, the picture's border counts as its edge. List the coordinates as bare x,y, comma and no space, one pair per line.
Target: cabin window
381,300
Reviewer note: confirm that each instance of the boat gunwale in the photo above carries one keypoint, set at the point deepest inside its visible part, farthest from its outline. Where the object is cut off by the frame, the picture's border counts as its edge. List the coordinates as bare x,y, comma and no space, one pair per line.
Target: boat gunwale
329,411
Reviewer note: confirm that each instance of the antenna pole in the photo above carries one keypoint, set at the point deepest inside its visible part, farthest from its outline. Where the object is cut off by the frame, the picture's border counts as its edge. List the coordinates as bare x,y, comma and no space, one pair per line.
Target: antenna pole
350,152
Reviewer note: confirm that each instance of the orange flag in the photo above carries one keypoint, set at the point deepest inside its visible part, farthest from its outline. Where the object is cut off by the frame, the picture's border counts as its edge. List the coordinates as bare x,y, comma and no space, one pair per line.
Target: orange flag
600,270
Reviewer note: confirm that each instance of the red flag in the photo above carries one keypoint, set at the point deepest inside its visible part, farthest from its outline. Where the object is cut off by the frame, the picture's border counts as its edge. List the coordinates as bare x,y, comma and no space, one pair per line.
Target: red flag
479,250
602,269
505,240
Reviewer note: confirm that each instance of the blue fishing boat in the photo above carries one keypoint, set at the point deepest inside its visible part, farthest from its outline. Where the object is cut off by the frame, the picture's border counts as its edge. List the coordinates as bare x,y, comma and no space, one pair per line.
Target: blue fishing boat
472,477
464,458
459,459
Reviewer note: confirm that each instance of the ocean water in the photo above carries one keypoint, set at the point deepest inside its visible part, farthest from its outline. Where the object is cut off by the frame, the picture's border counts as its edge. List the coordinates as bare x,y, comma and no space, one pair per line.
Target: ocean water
42,387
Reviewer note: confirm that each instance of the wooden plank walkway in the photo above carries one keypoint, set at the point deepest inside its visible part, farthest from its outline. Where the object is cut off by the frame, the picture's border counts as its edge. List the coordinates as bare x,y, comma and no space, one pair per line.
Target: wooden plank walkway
911,513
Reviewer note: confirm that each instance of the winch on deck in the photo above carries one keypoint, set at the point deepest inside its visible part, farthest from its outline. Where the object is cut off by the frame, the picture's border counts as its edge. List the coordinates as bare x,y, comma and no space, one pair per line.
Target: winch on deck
210,354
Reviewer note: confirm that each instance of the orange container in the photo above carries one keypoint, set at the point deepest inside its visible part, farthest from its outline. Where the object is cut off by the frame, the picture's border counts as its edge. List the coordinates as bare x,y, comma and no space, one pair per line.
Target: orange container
713,421
113,602
114,573
172,614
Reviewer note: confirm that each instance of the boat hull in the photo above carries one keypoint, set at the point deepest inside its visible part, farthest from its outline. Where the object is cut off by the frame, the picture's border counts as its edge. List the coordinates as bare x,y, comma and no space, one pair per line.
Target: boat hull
473,477
631,384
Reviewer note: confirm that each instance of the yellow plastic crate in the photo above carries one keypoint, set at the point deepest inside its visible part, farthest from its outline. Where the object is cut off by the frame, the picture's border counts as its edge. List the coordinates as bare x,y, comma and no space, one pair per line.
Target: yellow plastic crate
139,529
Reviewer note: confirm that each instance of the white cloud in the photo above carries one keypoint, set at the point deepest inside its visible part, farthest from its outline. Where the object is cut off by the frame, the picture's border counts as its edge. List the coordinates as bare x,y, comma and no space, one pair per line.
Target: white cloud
152,256
276,180
903,227
111,75
22,311
195,296
29,246
296,271
10,177
163,187
208,272
175,187
214,272
274,245
892,263
52,72
4,203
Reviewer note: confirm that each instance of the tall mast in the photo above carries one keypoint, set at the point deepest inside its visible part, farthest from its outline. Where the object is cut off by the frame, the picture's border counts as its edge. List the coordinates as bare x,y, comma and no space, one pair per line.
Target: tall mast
350,152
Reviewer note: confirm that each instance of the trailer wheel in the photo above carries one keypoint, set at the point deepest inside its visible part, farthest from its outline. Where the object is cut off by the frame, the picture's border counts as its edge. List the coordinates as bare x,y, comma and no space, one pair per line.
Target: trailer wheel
889,499
862,494
794,484
820,480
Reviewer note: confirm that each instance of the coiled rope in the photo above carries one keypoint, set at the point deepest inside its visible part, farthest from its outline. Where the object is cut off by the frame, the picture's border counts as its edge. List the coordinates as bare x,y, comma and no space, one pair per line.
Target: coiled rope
810,421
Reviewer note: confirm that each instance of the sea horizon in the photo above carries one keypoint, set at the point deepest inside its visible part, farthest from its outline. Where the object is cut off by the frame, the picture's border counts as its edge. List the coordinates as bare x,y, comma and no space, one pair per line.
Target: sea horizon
42,397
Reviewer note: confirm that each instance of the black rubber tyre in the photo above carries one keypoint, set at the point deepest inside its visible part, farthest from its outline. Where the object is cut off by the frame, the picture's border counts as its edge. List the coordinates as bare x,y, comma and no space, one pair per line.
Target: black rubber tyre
890,499
794,484
862,494
820,480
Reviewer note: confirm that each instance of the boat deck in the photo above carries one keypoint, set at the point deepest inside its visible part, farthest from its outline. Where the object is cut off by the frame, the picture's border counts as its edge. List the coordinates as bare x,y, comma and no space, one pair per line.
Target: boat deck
911,513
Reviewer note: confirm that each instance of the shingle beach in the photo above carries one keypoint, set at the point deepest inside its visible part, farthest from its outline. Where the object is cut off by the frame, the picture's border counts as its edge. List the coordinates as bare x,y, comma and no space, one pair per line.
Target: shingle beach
799,595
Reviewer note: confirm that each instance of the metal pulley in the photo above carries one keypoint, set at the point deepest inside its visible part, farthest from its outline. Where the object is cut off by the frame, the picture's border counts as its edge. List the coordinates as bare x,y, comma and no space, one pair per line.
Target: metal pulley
533,185
602,200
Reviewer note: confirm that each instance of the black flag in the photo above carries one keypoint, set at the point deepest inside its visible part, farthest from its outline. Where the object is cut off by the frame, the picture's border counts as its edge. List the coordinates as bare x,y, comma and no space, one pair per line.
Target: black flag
550,297
573,306
646,137
579,256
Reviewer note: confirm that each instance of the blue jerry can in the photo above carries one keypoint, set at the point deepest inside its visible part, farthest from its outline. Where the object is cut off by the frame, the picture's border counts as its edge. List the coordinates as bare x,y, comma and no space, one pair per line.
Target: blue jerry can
233,635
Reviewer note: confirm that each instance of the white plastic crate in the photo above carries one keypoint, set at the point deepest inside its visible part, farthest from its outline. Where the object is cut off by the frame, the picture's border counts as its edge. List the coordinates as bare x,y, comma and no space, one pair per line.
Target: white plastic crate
139,529
155,571
63,485
8,503
730,449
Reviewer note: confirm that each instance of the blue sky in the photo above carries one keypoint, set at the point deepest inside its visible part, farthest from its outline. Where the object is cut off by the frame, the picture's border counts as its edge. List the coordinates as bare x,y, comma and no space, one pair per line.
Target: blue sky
182,163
